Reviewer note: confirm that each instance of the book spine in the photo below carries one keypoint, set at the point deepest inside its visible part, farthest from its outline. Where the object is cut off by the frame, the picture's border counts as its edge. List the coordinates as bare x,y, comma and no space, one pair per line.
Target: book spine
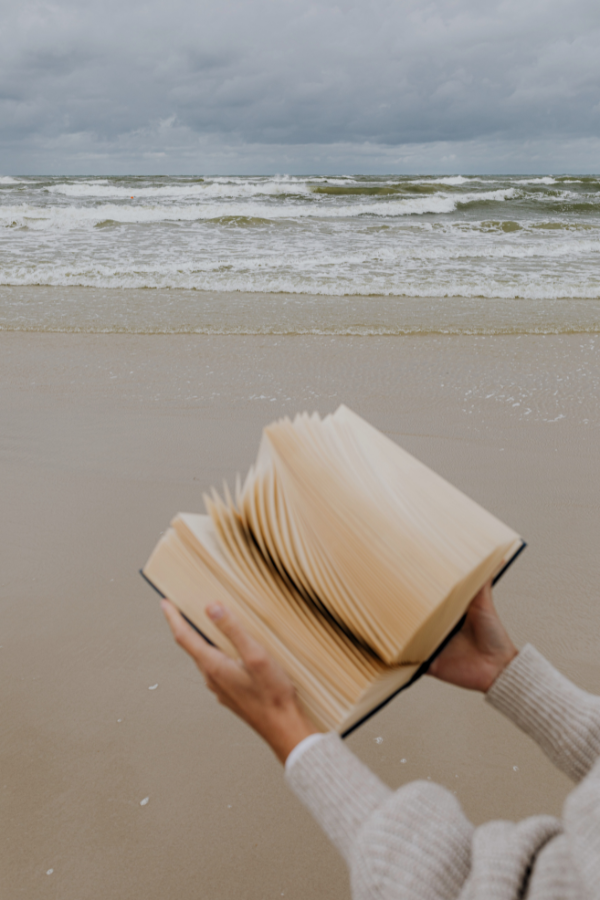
420,671
509,562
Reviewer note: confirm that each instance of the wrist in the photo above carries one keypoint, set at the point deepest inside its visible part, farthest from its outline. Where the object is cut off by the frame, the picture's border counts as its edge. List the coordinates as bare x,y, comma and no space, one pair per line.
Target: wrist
284,729
501,666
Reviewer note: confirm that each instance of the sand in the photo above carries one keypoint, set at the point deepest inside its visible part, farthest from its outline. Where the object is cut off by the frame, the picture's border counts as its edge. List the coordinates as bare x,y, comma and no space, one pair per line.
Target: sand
103,438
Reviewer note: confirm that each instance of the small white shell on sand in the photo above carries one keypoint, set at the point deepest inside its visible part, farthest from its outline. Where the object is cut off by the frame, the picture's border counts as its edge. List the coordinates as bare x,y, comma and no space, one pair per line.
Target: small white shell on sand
152,687
50,871
515,768
402,760
144,801
379,740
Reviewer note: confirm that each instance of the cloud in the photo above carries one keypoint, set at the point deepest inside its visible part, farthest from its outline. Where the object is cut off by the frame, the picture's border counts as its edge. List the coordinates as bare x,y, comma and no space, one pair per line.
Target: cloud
193,82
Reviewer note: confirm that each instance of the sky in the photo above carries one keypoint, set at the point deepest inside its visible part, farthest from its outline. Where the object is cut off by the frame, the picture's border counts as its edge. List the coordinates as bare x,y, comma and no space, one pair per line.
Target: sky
298,87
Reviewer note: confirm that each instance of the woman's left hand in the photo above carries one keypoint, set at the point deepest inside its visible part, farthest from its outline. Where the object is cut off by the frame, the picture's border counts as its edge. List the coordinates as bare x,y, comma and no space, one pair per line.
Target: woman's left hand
480,651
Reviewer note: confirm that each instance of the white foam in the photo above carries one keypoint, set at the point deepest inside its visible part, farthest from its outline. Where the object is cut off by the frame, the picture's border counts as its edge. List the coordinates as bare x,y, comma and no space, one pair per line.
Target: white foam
69,217
192,192
452,179
547,179
403,280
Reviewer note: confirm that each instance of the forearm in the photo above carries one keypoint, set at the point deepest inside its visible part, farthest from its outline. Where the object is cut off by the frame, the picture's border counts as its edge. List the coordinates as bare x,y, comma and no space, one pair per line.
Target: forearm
414,842
339,790
560,717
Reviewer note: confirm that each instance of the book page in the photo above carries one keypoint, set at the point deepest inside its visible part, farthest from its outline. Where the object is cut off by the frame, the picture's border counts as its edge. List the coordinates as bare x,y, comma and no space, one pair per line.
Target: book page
386,549
342,665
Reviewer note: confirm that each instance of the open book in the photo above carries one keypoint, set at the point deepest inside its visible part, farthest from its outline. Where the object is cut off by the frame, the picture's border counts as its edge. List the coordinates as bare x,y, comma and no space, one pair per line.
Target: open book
346,557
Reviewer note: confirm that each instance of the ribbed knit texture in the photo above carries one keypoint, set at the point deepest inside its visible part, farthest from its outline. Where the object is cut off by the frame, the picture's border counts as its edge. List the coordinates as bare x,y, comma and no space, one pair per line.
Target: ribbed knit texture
339,774
561,718
416,843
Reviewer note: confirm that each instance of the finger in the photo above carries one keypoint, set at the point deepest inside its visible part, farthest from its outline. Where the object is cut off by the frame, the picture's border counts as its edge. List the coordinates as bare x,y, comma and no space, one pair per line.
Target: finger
483,598
251,652
224,698
193,643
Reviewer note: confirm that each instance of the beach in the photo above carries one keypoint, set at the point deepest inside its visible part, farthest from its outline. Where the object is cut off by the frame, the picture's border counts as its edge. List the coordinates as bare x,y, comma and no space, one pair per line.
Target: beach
121,776
150,327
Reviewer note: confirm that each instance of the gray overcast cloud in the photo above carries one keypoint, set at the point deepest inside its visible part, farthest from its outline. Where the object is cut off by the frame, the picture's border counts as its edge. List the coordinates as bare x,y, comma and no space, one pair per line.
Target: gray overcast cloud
291,85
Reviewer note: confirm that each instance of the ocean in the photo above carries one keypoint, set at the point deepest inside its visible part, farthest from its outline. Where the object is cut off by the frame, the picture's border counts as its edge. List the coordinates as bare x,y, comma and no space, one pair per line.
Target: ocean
310,255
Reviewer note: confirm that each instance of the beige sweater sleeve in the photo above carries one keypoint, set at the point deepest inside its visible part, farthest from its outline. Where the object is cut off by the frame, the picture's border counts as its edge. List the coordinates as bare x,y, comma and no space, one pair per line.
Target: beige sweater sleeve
560,717
338,789
416,844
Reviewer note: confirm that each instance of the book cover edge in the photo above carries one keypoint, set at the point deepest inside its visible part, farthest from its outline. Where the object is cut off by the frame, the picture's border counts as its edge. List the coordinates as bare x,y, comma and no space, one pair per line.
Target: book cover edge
160,594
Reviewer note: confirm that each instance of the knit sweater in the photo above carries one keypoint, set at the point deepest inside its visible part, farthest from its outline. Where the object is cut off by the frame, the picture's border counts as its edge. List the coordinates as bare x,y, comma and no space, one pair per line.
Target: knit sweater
416,843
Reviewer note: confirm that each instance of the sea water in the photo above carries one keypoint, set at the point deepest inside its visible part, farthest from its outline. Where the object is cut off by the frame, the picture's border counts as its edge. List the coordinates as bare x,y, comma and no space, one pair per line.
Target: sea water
279,254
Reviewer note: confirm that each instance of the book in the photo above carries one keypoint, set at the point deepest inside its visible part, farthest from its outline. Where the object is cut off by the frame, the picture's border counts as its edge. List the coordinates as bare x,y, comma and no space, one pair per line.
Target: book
349,560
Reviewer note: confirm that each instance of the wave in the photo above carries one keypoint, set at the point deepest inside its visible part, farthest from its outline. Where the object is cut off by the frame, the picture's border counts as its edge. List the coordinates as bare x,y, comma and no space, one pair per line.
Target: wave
188,199
547,179
37,217
453,180
280,179
192,192
353,277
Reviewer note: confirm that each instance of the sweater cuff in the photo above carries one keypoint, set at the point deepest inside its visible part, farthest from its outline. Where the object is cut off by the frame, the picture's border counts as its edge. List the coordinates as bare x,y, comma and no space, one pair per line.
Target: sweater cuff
561,718
301,748
337,788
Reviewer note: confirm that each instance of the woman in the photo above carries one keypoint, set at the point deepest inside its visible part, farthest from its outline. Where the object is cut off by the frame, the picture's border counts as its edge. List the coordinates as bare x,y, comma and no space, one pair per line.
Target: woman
416,843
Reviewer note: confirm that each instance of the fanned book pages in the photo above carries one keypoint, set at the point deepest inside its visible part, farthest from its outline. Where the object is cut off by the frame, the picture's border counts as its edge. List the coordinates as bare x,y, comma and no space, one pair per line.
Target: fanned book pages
345,556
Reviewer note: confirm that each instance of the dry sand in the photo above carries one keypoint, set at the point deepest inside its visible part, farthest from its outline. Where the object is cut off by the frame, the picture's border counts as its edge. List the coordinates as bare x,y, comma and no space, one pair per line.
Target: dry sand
103,438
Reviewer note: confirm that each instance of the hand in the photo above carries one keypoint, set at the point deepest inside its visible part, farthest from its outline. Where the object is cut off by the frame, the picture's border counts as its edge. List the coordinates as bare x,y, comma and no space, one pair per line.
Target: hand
475,656
255,687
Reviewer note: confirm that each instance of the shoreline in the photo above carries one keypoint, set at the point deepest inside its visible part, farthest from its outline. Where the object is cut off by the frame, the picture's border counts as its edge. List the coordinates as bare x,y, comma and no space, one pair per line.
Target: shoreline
151,310
104,438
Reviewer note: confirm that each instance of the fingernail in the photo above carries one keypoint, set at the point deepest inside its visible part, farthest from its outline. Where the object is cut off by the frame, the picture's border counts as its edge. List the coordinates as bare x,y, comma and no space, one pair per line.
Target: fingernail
215,611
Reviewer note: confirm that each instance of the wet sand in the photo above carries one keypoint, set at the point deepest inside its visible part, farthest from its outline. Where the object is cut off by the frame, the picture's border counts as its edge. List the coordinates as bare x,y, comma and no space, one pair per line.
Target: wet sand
103,438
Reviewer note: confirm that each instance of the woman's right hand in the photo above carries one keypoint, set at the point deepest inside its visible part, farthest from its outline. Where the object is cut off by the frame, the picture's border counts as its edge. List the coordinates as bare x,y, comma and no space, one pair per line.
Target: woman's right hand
255,686
480,651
